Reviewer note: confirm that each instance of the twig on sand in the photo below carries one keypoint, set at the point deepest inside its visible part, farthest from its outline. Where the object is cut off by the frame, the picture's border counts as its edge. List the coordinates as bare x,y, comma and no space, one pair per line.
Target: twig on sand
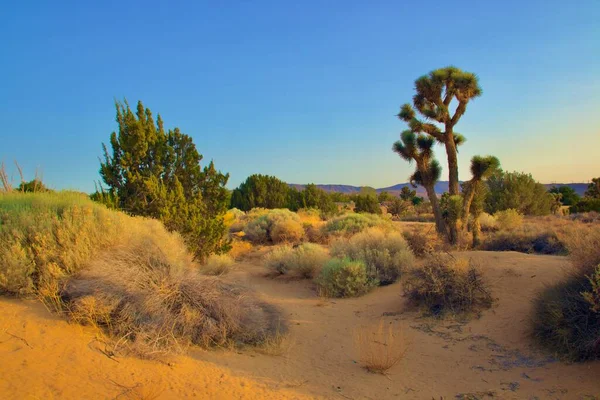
20,338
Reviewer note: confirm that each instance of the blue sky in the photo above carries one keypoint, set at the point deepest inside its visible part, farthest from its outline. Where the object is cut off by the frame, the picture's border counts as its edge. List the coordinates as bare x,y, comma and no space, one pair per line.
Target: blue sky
306,91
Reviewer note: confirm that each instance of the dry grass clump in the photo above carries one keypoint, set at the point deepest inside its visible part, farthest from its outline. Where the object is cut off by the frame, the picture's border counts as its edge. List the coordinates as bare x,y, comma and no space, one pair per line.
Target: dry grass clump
344,278
217,264
350,224
379,348
304,261
508,219
126,275
274,226
45,237
385,254
239,248
447,284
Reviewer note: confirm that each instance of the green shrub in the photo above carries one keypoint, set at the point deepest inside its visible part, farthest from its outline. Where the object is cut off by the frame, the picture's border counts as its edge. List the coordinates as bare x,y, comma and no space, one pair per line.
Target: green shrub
344,278
305,260
566,319
274,226
446,284
518,191
385,254
508,219
350,224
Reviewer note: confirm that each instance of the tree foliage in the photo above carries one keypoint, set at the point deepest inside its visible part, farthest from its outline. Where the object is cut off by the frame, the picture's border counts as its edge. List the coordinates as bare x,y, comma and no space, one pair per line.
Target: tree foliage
519,191
261,191
593,189
156,173
568,196
367,203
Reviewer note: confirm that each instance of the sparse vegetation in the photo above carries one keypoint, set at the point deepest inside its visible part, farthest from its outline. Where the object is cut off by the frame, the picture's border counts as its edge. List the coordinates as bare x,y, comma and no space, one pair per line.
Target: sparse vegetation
448,284
305,260
342,277
385,254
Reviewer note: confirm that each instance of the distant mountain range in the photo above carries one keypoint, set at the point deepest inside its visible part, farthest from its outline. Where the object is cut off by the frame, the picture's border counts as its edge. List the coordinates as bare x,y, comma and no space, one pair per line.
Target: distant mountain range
440,188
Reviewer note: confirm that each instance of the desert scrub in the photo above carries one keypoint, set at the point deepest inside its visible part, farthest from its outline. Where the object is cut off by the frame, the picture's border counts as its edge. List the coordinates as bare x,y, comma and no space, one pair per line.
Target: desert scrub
385,254
379,348
217,264
274,226
488,222
304,261
421,243
126,275
508,219
525,239
342,277
447,284
566,318
350,224
45,237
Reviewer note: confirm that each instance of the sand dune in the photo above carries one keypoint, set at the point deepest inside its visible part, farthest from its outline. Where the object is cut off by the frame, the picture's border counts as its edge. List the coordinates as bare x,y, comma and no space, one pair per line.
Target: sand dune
44,357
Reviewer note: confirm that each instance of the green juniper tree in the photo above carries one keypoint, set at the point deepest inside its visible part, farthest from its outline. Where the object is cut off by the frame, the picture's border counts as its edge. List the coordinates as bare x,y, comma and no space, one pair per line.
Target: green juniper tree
593,189
261,191
407,194
435,93
157,173
419,148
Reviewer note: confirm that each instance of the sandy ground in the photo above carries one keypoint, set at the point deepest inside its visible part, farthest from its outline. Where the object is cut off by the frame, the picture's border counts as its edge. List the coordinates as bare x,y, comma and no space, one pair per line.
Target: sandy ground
44,357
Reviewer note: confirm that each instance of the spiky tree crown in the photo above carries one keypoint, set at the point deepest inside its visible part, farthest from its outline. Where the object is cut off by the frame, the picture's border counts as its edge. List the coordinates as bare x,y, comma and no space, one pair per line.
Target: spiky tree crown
435,92
484,166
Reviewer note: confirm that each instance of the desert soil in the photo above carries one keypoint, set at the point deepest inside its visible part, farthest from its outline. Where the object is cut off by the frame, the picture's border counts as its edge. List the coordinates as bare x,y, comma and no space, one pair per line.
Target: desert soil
44,357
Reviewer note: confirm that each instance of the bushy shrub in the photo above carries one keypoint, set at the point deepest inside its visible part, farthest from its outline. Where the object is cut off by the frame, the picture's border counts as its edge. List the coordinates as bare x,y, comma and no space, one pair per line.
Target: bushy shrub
385,254
217,264
518,191
583,243
275,226
239,248
344,278
134,279
419,243
316,234
447,284
350,224
305,260
310,216
566,320
508,219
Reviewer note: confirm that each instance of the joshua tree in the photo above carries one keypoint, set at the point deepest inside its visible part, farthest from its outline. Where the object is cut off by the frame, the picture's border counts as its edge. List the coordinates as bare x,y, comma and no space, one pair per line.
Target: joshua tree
433,100
481,169
419,148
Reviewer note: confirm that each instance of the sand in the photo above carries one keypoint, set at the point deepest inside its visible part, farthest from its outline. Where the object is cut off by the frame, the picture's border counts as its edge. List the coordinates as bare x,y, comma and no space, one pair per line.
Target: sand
44,357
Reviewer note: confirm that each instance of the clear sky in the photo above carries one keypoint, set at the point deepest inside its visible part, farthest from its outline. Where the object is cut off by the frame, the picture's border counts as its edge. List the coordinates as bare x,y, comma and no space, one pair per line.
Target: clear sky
304,90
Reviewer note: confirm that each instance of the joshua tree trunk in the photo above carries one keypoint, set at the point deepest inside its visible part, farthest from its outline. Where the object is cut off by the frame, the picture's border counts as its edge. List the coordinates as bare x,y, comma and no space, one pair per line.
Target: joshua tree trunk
439,221
476,230
468,200
452,165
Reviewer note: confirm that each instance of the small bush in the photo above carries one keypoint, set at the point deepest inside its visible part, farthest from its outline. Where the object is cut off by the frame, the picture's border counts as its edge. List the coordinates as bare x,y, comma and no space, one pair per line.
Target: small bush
344,278
446,284
316,234
239,248
566,320
274,226
379,349
310,216
508,219
350,224
304,261
584,247
385,254
419,243
488,222
586,205
217,264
